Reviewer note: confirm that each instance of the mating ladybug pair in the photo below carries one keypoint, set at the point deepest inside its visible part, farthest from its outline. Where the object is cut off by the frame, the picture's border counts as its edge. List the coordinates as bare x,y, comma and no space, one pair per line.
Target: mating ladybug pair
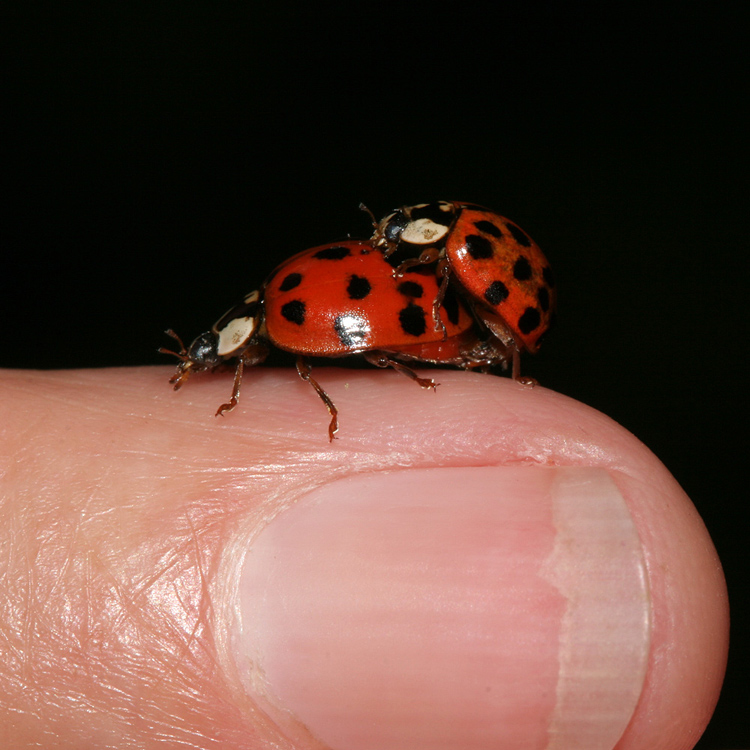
442,283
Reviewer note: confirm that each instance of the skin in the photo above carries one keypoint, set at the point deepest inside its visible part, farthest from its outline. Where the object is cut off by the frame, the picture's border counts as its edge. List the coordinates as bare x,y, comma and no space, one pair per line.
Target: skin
119,499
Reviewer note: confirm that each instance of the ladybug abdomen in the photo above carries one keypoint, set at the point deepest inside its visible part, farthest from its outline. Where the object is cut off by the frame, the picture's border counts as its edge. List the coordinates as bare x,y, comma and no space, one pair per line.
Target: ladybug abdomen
343,298
504,270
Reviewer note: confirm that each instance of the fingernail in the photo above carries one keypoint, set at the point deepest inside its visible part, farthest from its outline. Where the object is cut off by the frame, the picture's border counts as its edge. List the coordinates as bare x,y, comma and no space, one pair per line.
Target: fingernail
463,608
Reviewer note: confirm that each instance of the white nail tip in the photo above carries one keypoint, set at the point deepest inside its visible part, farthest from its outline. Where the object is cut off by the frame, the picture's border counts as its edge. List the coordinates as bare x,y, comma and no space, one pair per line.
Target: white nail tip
597,564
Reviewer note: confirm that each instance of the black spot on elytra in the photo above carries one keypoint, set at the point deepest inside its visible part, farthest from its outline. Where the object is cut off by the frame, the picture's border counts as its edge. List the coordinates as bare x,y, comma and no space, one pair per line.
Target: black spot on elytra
487,227
530,320
351,330
294,311
522,269
496,292
519,235
290,282
543,297
411,289
480,248
433,212
358,288
413,319
333,253
450,305
549,277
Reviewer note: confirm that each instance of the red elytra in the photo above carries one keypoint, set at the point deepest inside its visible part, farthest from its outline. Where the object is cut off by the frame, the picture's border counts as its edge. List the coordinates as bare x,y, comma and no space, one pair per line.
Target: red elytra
501,271
336,300
343,298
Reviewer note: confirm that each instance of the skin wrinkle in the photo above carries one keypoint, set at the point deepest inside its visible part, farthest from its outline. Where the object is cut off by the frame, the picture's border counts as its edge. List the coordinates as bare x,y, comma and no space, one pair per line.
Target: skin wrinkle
76,646
205,609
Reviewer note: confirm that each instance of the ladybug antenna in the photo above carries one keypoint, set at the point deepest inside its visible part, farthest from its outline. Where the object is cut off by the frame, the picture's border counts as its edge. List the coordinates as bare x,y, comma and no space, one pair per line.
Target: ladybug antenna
182,354
364,208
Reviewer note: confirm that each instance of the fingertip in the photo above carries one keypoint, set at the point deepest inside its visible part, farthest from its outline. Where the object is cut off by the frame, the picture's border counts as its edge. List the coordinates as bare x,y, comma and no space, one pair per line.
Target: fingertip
270,451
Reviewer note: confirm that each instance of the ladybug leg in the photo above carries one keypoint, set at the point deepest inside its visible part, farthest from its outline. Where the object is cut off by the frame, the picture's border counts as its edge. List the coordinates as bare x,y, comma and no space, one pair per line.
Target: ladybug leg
180,376
444,272
303,368
235,390
429,255
252,356
516,371
379,359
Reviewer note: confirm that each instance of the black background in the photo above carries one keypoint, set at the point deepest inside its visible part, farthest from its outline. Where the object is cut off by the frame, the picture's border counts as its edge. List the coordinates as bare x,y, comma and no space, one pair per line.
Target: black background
159,165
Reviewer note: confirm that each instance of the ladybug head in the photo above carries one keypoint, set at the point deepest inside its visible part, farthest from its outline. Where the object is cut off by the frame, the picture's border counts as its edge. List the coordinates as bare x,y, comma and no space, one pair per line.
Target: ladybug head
201,355
233,333
389,230
420,225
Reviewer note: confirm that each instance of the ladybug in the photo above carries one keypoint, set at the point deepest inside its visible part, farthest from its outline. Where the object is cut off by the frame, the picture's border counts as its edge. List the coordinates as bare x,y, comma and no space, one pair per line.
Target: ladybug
498,268
333,301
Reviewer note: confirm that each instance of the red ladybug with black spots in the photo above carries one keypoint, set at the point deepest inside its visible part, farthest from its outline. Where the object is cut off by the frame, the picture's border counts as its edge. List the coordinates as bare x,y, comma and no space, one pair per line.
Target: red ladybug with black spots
497,267
336,300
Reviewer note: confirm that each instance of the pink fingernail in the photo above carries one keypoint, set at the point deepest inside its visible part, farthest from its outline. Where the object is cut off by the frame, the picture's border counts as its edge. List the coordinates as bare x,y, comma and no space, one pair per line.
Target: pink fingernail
463,608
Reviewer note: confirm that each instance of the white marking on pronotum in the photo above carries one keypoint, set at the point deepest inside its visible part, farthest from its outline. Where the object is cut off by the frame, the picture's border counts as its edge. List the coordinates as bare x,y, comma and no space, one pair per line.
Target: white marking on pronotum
424,232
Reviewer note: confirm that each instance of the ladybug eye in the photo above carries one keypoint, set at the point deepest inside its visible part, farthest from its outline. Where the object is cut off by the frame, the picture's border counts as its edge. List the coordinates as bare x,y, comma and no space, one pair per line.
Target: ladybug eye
204,350
395,228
